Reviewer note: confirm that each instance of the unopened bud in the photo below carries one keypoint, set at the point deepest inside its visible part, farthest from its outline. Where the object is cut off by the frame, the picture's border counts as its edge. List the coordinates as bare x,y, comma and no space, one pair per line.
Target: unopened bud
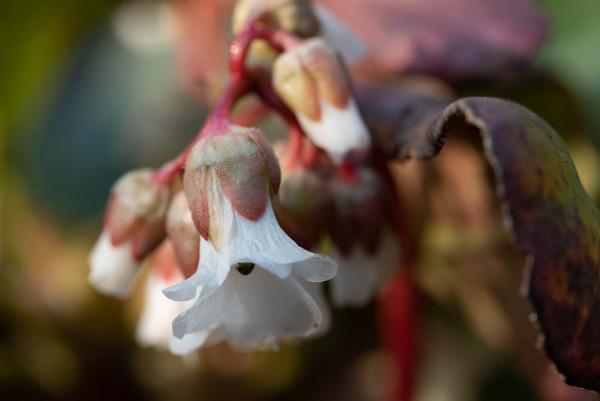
183,234
303,207
239,165
314,83
293,16
358,212
133,228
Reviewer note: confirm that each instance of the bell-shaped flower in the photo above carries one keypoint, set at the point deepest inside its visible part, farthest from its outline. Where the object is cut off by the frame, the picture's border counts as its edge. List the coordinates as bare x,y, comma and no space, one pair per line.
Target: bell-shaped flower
133,228
363,241
248,287
154,325
313,82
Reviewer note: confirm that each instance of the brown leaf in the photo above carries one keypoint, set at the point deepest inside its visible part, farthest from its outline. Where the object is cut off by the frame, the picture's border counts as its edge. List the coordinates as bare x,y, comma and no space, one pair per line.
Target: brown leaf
553,220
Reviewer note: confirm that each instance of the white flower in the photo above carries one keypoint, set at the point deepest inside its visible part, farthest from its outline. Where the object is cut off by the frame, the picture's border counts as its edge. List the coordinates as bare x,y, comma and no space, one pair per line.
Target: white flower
362,275
133,228
254,288
249,284
314,83
112,267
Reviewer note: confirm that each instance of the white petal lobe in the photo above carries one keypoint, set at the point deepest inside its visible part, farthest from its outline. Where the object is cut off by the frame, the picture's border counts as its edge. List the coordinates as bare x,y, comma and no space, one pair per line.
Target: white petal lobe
338,131
112,268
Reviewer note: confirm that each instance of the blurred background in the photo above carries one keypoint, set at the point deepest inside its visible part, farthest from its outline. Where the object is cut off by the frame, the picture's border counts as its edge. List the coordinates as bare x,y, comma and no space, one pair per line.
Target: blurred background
89,90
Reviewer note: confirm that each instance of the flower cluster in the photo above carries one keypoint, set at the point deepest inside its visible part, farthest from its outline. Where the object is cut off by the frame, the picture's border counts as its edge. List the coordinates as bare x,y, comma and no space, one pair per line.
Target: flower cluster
240,235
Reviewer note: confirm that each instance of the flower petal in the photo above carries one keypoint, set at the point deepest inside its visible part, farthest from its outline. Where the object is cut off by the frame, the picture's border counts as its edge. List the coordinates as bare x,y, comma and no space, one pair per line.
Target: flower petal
255,310
338,131
154,325
277,308
189,343
265,243
361,275
112,268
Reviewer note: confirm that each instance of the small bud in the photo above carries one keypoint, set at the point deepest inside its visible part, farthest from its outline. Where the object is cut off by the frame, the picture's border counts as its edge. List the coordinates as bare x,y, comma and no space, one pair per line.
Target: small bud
293,16
313,82
133,228
303,207
182,233
358,211
239,165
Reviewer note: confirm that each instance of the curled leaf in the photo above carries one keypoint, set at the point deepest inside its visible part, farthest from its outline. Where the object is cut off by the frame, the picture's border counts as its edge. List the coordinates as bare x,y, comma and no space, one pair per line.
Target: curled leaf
554,222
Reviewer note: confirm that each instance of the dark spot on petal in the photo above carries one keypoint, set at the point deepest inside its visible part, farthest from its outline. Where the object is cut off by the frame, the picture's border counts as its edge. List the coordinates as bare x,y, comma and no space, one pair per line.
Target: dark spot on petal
244,268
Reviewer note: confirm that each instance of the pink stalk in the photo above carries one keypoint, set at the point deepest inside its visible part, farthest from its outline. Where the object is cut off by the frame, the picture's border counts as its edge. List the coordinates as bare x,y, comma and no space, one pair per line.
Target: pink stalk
216,124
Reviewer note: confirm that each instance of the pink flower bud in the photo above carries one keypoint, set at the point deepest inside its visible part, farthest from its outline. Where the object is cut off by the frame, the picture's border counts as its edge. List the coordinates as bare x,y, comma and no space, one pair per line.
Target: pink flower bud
314,83
183,234
242,166
133,228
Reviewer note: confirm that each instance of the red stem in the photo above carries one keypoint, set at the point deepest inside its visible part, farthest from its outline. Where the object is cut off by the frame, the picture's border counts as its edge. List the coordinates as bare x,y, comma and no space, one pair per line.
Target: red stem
399,304
398,316
220,118
279,39
347,170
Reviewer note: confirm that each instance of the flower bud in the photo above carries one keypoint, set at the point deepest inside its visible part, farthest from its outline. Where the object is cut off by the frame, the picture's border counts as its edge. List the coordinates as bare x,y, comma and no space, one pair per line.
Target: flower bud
303,206
293,16
359,213
183,235
240,166
313,82
364,241
133,228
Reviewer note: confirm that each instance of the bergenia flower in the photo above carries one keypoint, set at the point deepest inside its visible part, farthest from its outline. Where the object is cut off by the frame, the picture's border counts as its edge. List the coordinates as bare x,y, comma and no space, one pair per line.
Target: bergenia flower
249,285
313,82
133,228
363,241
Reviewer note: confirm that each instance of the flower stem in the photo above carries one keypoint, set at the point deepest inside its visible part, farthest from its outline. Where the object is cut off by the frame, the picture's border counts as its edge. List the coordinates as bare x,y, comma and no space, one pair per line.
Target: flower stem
220,119
278,39
216,124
